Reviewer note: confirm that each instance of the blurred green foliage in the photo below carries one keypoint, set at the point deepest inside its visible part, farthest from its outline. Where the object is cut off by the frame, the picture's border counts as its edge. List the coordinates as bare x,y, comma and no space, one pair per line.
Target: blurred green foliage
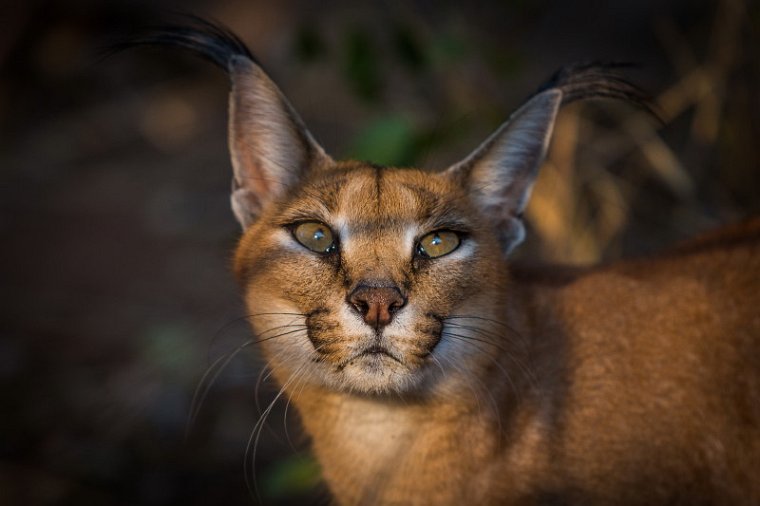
365,55
167,346
408,49
361,65
309,45
389,140
290,477
446,49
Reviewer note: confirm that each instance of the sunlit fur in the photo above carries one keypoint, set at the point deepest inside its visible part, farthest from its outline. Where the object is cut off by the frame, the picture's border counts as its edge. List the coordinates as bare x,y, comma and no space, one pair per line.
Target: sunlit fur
377,216
636,383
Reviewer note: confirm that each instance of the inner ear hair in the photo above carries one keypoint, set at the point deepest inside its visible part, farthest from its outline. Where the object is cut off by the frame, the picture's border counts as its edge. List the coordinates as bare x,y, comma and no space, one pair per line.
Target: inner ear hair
270,147
501,172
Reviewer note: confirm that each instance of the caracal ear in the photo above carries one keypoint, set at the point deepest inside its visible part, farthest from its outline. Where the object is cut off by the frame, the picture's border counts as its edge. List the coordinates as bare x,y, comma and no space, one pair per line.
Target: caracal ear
271,148
500,173
269,145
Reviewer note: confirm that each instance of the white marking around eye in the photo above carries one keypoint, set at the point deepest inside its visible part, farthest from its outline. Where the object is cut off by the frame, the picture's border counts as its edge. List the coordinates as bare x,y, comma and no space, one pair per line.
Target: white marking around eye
466,249
286,240
410,233
340,227
339,224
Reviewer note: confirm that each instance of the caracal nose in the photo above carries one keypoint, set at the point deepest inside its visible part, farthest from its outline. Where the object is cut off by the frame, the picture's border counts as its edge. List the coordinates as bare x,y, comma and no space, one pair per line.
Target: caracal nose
377,305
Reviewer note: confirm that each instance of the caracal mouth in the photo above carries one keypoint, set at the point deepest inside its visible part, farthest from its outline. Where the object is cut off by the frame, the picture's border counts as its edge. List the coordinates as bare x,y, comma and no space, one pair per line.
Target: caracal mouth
377,351
373,358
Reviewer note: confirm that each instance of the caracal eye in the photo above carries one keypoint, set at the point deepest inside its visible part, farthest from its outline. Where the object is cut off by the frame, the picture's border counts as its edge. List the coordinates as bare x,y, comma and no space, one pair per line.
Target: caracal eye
316,236
437,244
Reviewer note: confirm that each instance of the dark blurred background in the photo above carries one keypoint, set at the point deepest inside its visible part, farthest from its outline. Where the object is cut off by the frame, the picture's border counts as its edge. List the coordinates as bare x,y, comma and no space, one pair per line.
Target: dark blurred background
117,234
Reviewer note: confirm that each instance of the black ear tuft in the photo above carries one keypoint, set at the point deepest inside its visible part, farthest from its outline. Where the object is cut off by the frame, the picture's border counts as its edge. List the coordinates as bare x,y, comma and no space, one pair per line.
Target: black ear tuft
582,81
210,40
270,147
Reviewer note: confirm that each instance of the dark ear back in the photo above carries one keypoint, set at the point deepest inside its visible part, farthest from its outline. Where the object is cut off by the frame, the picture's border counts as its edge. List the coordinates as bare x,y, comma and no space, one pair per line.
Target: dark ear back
500,173
270,147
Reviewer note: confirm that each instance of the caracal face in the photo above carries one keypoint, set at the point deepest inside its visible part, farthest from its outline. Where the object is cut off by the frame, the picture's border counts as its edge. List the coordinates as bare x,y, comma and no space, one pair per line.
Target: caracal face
372,221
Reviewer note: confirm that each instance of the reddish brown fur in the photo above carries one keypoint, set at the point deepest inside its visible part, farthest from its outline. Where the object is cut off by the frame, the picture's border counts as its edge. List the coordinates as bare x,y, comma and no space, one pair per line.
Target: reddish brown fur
635,383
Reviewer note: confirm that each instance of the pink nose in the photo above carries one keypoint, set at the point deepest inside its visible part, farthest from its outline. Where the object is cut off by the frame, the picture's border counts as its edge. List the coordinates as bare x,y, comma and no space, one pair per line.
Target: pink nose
377,304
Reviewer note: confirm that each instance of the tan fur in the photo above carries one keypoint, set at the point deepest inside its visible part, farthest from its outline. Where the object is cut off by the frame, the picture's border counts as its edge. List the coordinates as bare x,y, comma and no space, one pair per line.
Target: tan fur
635,383
454,377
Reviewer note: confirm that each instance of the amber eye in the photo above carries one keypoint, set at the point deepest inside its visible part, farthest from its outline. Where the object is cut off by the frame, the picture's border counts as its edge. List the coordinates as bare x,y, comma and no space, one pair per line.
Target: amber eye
316,236
437,244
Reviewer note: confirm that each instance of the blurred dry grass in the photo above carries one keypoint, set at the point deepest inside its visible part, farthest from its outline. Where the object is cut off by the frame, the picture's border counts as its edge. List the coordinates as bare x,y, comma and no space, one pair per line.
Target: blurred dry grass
580,207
